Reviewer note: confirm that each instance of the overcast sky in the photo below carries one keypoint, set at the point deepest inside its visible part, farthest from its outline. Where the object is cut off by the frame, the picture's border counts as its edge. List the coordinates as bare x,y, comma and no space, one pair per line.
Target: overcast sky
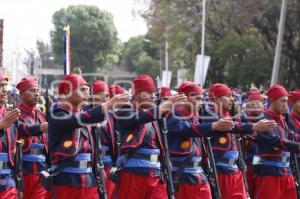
25,21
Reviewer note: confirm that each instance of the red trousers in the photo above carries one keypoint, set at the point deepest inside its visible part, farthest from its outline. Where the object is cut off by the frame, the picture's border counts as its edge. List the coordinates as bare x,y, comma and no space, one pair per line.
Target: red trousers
251,177
10,193
33,189
110,186
69,192
232,186
140,187
275,187
193,191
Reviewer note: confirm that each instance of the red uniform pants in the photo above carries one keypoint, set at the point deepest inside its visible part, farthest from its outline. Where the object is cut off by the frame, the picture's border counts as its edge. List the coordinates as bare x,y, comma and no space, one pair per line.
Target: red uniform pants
251,177
110,186
140,187
33,189
275,187
193,191
232,186
10,193
69,192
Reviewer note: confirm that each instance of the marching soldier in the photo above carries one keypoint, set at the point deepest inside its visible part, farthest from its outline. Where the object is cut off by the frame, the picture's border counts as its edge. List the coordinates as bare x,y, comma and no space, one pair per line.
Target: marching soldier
108,151
253,113
34,147
274,177
225,146
186,148
10,130
71,141
294,101
142,146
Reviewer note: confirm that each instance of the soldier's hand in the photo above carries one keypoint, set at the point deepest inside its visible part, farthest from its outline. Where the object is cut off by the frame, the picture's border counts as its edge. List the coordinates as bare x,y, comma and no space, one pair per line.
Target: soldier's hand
223,125
264,125
167,105
44,127
116,102
9,118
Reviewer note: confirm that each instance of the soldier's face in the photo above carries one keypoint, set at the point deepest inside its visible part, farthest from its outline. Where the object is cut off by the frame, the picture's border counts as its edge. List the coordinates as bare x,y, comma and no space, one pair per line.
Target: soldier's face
280,105
79,96
144,99
225,103
255,107
3,91
31,96
196,101
100,98
296,107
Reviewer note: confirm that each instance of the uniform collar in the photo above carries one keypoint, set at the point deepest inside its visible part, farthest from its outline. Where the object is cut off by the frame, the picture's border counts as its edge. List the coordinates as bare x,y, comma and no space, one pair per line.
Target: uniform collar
277,117
29,109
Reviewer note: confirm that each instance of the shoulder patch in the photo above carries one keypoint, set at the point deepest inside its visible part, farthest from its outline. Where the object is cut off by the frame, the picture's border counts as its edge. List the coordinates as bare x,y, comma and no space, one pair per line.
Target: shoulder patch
129,137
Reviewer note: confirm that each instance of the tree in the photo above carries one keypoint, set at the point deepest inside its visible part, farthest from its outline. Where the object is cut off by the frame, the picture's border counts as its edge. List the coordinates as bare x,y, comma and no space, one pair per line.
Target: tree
141,57
93,37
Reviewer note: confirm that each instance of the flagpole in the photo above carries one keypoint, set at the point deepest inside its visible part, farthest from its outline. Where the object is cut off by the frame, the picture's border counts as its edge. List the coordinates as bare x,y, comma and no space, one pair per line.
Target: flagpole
276,64
67,51
203,42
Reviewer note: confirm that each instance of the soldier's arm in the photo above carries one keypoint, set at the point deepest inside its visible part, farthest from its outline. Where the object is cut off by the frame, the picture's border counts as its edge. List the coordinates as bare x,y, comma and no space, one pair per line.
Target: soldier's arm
128,118
25,129
61,120
273,140
184,128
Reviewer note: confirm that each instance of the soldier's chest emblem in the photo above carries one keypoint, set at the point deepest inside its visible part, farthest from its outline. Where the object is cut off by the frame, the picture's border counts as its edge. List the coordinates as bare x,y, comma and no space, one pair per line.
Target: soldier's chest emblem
129,138
222,140
185,144
67,144
22,141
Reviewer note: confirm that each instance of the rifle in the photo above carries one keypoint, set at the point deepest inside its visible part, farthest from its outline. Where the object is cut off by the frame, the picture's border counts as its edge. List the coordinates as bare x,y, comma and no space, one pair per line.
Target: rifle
166,164
211,169
294,158
18,168
98,166
241,160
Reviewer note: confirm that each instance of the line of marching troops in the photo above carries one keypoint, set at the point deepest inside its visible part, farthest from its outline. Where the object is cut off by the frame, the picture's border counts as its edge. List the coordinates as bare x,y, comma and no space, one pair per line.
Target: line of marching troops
117,144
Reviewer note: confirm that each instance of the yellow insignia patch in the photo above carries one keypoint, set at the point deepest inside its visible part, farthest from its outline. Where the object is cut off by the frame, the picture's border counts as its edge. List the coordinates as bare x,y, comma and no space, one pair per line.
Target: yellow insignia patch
222,140
185,144
129,137
67,144
22,141
275,148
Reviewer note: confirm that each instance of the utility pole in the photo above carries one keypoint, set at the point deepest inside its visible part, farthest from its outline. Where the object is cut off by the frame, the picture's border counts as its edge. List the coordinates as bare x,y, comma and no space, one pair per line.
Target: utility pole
280,35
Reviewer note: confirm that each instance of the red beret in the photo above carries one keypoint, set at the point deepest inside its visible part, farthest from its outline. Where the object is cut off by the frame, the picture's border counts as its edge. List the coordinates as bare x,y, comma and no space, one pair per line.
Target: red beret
276,91
255,95
189,88
144,83
27,83
218,90
115,90
294,96
70,82
99,87
2,77
165,91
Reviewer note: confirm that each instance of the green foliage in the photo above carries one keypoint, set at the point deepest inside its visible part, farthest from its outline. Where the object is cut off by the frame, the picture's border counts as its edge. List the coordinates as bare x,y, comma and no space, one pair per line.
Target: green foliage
139,56
240,38
93,37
